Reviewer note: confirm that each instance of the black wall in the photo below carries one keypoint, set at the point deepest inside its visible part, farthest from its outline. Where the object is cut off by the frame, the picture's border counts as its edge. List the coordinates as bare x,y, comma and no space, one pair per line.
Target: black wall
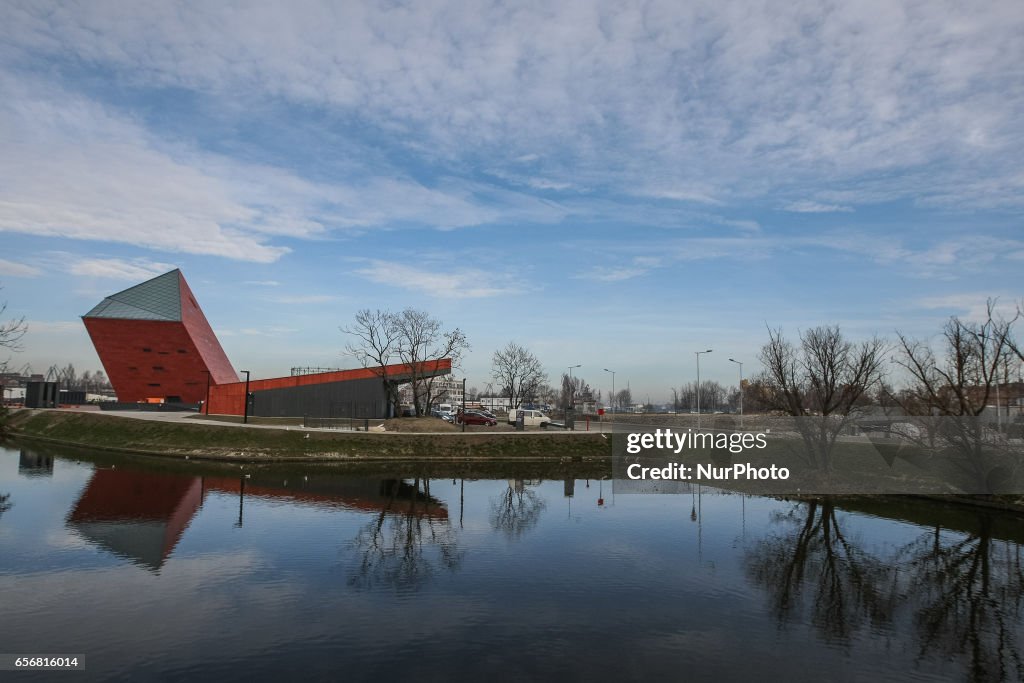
358,398
41,395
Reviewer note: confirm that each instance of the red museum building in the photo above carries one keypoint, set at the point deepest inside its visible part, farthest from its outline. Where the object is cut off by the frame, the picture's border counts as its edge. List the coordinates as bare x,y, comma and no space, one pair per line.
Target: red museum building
157,346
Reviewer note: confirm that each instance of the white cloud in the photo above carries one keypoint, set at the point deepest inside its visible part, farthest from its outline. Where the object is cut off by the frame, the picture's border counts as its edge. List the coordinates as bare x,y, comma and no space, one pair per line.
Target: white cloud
971,306
276,331
58,327
613,274
700,194
262,283
714,94
304,299
639,265
137,270
808,206
73,168
460,283
15,269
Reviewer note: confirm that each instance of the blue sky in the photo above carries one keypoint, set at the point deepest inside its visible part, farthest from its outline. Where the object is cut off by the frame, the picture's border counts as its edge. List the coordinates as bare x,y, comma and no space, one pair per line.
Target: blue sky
614,184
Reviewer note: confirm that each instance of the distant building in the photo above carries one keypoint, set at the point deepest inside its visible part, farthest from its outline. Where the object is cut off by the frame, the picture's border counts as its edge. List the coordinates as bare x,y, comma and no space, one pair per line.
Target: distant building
496,403
442,390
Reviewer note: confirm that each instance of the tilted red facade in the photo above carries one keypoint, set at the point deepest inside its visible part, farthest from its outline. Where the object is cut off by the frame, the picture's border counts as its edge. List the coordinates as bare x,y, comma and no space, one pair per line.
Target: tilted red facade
161,358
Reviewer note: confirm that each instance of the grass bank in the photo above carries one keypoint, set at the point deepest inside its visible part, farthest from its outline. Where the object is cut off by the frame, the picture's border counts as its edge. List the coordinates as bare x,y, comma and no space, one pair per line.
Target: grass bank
181,439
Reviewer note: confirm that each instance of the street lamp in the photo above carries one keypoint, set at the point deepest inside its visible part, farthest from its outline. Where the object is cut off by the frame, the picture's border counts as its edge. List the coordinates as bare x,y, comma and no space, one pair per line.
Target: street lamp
206,403
733,360
245,403
613,387
572,390
698,383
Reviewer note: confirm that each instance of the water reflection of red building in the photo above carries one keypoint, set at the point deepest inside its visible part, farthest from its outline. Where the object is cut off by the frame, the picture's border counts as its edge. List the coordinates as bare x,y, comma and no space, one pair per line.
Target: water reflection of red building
366,495
138,515
142,515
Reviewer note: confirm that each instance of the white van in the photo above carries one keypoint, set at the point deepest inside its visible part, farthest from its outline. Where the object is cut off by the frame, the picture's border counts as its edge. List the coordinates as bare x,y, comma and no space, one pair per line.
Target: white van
531,418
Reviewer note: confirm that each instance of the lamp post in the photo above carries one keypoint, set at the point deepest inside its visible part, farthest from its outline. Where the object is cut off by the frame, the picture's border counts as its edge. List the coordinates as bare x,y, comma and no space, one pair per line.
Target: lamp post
572,390
733,360
999,425
206,403
613,388
698,383
245,403
463,404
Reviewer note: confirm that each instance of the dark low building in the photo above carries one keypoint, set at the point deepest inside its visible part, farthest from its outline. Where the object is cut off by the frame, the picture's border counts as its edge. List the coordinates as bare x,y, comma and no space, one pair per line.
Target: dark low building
42,395
343,393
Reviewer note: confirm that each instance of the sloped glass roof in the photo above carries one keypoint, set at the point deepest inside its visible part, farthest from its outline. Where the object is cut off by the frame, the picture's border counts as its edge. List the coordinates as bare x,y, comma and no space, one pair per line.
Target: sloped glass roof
156,299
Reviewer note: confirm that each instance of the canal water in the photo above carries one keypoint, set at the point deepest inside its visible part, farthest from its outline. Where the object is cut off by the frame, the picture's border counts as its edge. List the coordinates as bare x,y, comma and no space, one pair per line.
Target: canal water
155,571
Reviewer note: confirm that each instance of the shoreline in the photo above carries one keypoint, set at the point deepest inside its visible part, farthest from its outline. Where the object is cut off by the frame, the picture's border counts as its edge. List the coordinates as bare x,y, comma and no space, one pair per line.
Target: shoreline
120,436
223,443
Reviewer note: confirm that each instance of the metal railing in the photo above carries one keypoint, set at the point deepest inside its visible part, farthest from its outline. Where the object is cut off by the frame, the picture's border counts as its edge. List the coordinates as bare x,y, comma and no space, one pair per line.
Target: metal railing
347,424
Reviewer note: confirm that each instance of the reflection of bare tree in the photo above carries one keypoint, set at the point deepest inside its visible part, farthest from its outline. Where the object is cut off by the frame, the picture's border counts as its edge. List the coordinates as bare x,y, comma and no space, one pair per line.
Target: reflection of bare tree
814,556
408,541
516,510
970,590
5,502
965,591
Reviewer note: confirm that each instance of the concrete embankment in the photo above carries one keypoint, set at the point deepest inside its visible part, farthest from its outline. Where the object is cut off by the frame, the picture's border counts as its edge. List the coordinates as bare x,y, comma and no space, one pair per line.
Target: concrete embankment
216,442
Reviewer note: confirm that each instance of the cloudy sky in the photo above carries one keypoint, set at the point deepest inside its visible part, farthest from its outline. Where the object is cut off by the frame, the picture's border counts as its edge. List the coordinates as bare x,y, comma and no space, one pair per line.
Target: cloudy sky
615,184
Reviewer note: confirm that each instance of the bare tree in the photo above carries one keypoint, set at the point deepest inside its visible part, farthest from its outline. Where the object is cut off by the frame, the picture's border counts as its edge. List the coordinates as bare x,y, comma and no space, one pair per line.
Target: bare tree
517,510
969,587
422,339
959,380
949,391
11,333
813,561
408,542
826,377
624,398
68,377
517,372
712,396
575,388
375,346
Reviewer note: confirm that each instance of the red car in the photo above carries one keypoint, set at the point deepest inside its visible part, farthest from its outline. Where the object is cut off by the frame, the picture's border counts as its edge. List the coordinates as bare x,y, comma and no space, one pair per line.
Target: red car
473,418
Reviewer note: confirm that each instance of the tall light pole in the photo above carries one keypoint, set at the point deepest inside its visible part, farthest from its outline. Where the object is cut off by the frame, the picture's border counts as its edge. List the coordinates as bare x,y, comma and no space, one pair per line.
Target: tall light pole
572,390
613,388
245,403
206,403
698,383
733,360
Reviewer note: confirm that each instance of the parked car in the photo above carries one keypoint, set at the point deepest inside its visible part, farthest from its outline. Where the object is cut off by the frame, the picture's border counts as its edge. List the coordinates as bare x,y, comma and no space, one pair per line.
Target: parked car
471,417
531,418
